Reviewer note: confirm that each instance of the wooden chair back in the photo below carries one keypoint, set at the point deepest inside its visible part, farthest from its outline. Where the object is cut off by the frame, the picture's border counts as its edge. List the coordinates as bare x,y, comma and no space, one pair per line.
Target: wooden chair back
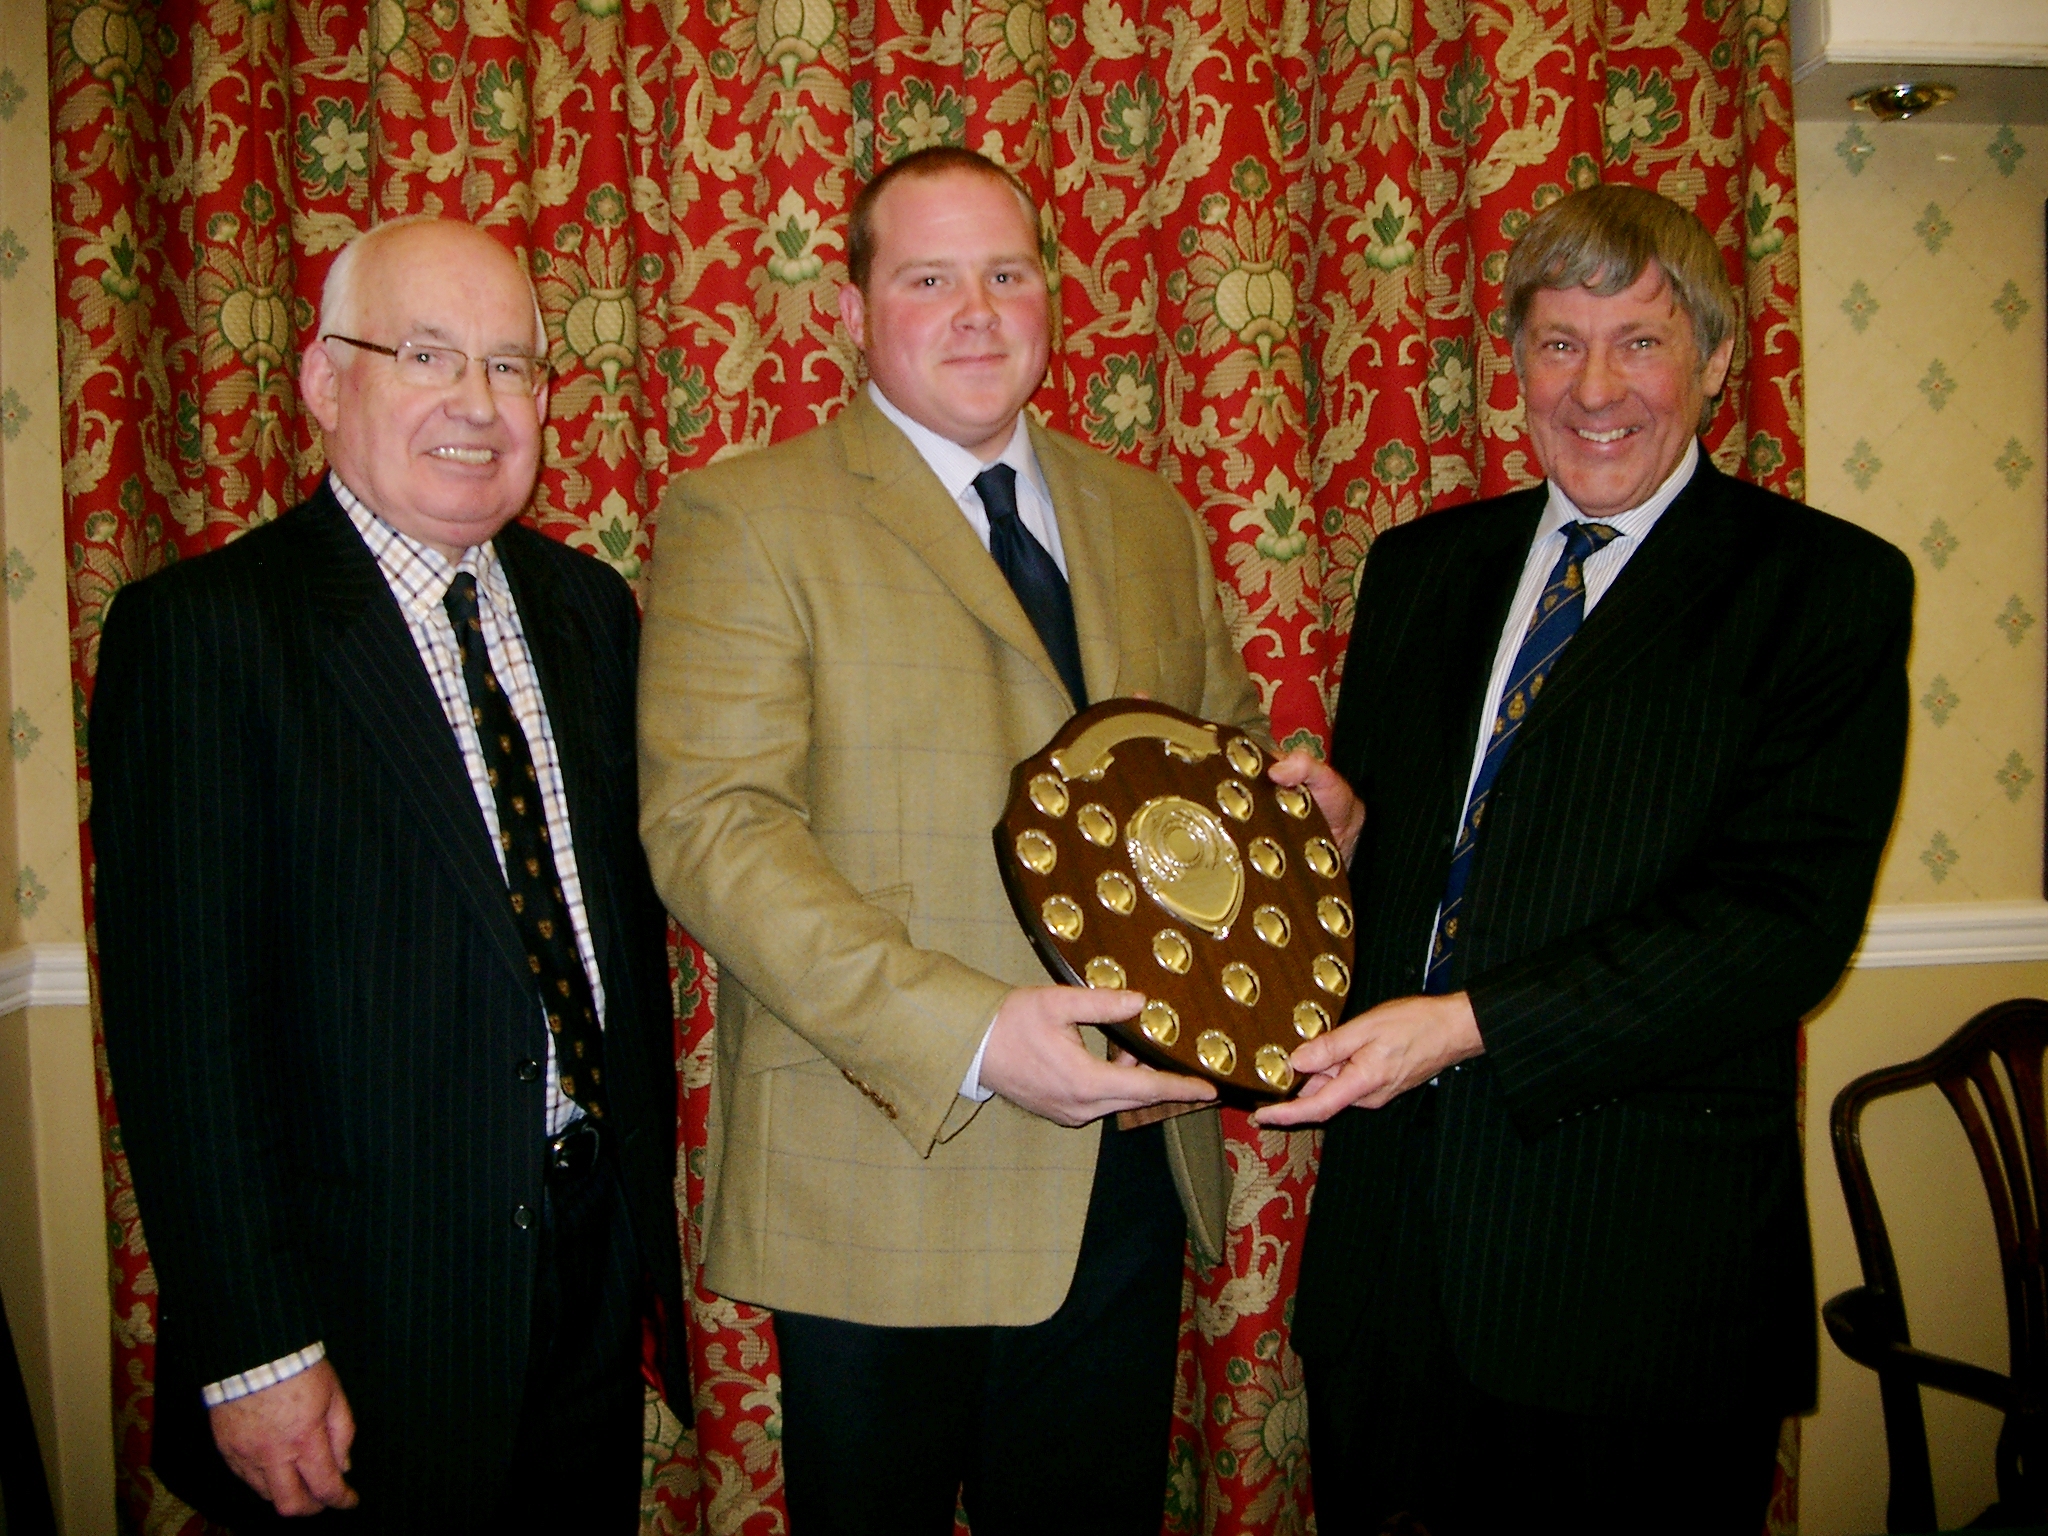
1990,1071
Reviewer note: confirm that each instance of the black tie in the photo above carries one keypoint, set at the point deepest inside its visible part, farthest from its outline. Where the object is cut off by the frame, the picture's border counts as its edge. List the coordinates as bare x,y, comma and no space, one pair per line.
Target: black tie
1032,574
538,906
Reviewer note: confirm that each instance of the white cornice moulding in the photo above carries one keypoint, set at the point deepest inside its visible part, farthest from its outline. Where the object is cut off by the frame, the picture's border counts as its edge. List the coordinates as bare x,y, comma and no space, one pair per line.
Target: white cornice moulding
1972,933
1911,32
43,976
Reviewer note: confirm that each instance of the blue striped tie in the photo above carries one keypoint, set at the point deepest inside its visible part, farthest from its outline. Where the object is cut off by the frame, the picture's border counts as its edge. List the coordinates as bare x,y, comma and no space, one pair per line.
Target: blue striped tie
1559,612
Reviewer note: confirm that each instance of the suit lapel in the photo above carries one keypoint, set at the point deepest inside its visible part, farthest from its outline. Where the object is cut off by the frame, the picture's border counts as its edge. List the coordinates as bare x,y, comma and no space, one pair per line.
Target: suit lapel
908,500
370,659
1480,587
1679,566
1088,536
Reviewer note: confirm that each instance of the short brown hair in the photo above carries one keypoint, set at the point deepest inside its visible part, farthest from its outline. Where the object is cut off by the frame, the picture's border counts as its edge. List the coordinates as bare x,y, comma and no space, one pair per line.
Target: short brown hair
936,161
1603,239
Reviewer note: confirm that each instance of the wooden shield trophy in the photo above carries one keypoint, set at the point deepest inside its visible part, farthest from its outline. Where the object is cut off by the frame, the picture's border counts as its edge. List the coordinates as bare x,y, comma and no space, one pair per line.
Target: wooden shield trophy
1145,848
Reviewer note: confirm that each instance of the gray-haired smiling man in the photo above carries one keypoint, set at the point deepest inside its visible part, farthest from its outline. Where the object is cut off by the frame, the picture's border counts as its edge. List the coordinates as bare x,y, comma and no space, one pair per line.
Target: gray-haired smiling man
1629,744
383,976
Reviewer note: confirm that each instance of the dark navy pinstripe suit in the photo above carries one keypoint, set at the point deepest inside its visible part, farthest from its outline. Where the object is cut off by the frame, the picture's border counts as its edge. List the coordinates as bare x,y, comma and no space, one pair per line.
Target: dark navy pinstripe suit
317,1004
1608,1205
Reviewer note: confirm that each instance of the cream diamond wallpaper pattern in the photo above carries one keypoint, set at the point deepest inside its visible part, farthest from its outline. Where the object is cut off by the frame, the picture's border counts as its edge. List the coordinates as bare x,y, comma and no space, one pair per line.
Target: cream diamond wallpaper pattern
38,770
1927,423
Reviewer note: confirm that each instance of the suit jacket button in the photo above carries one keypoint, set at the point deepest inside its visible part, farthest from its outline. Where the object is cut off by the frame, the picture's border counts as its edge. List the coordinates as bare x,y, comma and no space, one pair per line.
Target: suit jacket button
522,1217
527,1071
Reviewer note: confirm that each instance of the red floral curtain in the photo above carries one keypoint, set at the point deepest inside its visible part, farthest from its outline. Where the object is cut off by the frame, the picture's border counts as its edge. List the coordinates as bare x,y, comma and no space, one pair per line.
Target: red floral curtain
1279,230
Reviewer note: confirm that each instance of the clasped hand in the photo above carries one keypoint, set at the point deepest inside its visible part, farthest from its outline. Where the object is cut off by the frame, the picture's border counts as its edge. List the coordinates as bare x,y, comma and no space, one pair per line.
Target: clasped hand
1378,1056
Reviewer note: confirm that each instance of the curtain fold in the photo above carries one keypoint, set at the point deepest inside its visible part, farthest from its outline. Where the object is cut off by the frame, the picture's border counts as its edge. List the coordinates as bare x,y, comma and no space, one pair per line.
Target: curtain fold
1278,231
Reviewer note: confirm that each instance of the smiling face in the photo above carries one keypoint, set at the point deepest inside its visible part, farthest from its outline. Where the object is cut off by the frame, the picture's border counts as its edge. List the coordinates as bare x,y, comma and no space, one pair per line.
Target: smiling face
449,467
955,321
1614,388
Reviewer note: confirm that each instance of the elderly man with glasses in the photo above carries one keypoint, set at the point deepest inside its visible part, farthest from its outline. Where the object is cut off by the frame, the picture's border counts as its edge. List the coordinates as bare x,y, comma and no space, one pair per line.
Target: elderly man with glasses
383,975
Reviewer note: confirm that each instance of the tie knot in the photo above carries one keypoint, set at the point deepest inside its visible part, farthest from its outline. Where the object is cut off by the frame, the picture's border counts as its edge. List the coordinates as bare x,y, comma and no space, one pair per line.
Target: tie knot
997,487
1582,539
461,600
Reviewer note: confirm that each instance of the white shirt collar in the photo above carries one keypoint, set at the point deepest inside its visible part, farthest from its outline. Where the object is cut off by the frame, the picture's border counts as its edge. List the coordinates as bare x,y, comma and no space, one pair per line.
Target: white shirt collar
955,466
1636,521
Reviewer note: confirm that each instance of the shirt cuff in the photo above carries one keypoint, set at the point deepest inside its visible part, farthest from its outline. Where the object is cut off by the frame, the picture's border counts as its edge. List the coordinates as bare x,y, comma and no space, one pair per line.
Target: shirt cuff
256,1379
970,1085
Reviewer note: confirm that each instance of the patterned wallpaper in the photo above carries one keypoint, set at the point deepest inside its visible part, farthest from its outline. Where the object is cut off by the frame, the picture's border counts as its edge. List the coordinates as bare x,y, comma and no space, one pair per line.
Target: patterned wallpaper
1922,276
36,699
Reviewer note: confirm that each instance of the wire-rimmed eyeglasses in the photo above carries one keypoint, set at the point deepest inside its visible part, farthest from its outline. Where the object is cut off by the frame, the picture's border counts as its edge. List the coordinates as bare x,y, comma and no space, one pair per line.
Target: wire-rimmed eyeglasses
429,365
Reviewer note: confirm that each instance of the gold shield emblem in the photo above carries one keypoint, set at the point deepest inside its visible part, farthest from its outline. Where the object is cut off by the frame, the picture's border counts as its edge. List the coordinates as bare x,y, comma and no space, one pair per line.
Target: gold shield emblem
1186,862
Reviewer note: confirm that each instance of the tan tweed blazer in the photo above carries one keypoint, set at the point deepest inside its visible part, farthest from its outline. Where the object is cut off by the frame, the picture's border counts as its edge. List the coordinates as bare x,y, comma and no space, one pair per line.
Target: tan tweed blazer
835,682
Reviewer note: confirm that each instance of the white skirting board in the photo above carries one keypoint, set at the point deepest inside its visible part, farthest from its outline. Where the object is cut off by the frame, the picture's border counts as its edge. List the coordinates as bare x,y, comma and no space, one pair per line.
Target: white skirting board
1956,933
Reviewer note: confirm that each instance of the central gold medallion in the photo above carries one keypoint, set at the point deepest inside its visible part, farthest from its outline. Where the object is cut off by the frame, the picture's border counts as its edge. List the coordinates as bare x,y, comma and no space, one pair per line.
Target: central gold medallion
1186,862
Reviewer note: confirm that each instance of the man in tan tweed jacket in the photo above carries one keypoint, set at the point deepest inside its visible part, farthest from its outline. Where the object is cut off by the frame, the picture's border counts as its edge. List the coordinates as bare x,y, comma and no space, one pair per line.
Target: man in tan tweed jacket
976,1295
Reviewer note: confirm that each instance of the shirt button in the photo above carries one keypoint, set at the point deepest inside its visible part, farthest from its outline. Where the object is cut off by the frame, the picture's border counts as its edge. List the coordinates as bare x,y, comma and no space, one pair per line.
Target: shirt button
527,1071
522,1217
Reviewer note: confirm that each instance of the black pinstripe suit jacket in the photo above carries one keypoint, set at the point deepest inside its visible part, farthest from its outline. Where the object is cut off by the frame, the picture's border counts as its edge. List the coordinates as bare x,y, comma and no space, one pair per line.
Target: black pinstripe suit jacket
1608,1205
316,1001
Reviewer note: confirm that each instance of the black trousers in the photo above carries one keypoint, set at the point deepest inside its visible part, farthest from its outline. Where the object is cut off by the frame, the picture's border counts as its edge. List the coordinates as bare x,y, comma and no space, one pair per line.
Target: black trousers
1061,1426
24,1491
1401,1441
576,1460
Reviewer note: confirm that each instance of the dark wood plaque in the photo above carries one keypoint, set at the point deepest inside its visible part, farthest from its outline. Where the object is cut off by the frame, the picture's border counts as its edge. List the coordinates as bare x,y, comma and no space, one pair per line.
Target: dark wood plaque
1144,848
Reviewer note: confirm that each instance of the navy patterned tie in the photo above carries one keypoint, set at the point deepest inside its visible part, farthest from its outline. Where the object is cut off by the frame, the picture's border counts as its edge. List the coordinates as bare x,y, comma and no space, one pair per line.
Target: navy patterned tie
1559,612
1033,575
538,906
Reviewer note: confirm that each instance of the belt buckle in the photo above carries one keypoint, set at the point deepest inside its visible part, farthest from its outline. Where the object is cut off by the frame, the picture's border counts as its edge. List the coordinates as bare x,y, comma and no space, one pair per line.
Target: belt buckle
575,1150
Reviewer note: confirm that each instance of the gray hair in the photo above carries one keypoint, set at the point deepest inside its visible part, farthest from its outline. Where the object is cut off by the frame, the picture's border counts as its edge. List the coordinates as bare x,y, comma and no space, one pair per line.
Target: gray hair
1603,239
340,304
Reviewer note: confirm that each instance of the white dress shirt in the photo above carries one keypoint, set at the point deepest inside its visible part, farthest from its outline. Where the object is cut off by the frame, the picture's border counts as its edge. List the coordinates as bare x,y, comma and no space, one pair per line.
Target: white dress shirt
1599,570
956,468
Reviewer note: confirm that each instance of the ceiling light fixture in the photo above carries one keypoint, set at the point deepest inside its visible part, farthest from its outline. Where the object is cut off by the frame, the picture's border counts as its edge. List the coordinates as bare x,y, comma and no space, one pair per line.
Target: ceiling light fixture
1907,99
